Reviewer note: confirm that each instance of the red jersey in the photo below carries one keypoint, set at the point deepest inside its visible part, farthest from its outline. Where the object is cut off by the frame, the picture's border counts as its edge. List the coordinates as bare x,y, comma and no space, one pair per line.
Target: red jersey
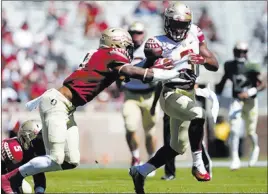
95,74
13,155
11,151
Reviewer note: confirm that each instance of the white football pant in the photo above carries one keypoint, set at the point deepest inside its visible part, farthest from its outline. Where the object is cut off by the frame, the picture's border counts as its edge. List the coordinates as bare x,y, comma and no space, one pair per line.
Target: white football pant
60,132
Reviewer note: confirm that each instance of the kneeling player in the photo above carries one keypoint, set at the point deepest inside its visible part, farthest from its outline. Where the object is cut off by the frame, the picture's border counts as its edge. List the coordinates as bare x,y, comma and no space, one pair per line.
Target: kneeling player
19,150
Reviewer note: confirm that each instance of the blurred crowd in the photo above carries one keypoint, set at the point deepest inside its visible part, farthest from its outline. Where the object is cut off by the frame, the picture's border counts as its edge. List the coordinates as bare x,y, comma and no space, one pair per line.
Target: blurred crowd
35,60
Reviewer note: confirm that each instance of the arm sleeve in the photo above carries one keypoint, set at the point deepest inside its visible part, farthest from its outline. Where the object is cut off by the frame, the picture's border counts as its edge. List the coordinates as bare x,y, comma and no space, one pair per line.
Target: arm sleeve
200,35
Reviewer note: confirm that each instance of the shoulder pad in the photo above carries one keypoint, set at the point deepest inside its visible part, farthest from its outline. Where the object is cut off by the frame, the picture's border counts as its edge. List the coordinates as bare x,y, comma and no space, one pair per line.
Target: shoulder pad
119,55
152,48
12,150
198,32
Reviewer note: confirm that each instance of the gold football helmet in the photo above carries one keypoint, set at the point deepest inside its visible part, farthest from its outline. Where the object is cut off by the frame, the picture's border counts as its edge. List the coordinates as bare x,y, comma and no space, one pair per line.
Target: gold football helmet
29,131
177,18
117,38
137,32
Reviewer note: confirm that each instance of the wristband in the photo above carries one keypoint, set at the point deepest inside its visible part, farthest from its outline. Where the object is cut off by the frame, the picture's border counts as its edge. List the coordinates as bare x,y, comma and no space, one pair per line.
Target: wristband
39,190
122,67
252,91
145,74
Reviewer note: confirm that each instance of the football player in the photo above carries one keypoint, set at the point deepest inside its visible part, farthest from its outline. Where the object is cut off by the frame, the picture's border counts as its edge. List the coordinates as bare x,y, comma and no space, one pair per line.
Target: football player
184,43
169,167
19,150
138,100
98,70
247,82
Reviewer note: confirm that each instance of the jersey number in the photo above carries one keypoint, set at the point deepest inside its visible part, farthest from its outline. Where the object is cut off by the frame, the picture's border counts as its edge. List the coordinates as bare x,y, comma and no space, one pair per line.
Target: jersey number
86,59
239,82
17,148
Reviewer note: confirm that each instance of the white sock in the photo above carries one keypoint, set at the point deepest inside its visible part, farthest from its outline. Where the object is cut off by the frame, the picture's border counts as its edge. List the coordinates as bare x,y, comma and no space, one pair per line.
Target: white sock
254,139
136,153
146,169
197,157
38,165
234,146
198,162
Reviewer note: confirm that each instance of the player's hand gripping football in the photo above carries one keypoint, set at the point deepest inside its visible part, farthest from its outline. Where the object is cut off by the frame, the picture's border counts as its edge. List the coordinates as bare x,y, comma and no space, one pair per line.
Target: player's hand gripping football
196,59
163,63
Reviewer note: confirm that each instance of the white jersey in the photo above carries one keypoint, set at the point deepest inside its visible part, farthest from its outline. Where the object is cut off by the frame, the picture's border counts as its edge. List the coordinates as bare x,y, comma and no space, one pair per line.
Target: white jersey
138,54
179,51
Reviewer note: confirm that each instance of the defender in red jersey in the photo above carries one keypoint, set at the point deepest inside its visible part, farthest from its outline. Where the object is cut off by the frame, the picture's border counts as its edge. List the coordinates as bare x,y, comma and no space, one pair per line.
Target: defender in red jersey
19,150
98,70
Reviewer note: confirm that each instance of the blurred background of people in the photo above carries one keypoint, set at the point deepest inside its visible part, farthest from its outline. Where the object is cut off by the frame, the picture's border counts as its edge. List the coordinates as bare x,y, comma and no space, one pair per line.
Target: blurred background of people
42,42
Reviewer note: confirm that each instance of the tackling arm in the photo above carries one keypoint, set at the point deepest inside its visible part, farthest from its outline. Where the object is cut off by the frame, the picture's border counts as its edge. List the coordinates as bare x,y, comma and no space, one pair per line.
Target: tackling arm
146,75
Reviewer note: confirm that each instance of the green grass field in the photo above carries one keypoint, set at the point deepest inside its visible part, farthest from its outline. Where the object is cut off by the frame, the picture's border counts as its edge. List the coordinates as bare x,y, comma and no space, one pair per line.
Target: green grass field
246,180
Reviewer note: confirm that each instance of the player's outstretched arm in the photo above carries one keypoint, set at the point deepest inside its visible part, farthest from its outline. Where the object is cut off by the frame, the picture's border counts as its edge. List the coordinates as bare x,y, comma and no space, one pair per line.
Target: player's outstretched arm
145,75
210,62
219,87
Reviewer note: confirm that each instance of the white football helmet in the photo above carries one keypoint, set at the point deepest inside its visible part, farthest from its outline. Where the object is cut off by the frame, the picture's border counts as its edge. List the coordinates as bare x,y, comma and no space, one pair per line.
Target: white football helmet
240,51
29,131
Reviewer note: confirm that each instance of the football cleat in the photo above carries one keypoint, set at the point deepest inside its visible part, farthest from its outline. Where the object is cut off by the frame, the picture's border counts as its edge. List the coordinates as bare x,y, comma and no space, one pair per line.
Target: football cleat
138,180
168,177
236,164
254,156
199,176
135,161
206,159
6,185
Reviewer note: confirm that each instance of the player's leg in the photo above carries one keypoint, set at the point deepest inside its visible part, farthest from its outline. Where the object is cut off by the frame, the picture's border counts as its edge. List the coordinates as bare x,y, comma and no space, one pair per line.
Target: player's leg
54,116
181,105
250,116
131,112
148,123
236,124
178,144
170,169
72,154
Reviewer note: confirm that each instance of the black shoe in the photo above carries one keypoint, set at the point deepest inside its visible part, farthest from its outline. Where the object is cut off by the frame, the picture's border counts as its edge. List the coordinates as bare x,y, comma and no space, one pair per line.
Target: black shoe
206,159
138,180
168,177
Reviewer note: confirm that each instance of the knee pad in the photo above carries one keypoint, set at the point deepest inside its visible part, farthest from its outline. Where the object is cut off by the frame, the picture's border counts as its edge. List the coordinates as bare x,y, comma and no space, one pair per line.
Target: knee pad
199,112
180,147
68,166
57,157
